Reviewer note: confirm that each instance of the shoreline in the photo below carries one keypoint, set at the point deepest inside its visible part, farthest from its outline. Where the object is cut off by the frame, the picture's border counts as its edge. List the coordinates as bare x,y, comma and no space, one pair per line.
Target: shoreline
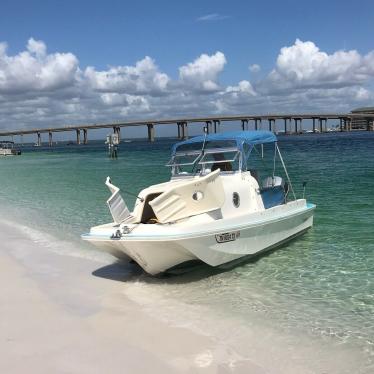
60,317
57,317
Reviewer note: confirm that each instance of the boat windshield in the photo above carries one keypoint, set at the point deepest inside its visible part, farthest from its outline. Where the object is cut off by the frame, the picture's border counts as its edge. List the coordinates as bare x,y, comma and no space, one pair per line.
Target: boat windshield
224,159
6,145
193,159
229,152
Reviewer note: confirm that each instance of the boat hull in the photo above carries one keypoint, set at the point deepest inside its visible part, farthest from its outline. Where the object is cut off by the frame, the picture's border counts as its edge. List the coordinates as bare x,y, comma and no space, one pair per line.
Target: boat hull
216,246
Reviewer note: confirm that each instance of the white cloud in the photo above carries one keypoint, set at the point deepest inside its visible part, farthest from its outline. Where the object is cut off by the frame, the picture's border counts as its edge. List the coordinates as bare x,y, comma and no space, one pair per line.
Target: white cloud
243,87
142,78
212,17
124,100
202,74
303,65
38,88
254,68
36,47
363,94
34,70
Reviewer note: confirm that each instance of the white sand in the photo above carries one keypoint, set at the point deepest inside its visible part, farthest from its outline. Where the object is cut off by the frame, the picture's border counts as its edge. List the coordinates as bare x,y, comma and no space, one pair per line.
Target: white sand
56,317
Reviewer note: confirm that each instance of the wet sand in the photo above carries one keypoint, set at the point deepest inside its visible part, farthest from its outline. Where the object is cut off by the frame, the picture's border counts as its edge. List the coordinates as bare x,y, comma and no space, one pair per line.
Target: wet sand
58,315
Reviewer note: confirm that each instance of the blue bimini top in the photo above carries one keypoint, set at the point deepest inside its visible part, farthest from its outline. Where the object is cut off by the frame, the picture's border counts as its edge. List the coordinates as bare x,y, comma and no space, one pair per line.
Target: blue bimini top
227,139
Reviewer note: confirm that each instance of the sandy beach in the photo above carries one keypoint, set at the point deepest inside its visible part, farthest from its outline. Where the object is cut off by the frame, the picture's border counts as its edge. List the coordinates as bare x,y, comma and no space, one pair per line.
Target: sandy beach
57,317
58,314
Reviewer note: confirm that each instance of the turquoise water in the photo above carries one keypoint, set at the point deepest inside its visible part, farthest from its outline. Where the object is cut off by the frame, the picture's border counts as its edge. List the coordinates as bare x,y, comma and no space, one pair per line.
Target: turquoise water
320,284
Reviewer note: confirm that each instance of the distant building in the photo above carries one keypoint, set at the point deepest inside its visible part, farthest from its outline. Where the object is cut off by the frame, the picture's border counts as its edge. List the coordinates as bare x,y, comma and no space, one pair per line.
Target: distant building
361,123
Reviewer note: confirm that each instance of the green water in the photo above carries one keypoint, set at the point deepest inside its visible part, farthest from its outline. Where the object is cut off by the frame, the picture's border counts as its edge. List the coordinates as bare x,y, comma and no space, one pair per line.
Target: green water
320,284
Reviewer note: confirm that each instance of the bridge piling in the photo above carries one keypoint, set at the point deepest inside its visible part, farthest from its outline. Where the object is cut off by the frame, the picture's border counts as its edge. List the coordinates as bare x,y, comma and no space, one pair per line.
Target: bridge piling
320,124
296,125
78,136
287,125
151,132
85,136
216,125
184,130
39,141
272,125
208,126
50,142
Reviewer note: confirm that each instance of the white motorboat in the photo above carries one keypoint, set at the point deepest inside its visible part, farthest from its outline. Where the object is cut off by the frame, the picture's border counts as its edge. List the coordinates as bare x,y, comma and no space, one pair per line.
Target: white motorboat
7,149
214,209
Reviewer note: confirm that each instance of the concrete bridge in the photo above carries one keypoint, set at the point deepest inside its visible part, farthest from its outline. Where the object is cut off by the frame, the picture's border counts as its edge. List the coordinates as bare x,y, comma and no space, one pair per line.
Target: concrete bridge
284,123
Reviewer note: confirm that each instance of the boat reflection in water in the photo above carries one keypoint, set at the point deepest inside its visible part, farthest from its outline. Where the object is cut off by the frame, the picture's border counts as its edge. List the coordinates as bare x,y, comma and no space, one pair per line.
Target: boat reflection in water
223,204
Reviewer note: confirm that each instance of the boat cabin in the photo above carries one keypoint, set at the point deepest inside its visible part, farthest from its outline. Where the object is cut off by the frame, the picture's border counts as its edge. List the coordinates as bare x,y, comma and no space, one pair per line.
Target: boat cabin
233,152
215,173
7,148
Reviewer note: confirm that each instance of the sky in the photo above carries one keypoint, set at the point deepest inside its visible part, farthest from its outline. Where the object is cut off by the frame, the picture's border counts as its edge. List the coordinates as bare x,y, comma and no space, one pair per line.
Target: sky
71,62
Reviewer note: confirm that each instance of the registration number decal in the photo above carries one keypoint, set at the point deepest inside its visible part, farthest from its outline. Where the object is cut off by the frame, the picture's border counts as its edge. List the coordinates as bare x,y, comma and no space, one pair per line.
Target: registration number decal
227,237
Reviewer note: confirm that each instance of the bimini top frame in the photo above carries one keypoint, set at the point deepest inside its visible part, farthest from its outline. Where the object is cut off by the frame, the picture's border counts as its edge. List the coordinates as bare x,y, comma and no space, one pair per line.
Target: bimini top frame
241,141
235,137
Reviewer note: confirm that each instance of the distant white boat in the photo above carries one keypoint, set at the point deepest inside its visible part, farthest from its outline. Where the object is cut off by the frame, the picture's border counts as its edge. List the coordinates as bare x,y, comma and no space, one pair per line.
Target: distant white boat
7,148
215,209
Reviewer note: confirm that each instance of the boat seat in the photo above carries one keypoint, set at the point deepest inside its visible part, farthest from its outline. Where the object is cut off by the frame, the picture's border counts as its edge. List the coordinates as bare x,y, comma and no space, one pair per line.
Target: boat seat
273,192
223,166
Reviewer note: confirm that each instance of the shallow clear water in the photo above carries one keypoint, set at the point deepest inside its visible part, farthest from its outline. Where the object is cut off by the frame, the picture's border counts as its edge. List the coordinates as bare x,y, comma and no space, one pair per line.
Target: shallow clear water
320,284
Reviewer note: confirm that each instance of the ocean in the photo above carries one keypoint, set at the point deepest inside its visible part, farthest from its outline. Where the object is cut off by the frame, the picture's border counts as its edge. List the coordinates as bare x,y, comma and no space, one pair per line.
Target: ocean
319,286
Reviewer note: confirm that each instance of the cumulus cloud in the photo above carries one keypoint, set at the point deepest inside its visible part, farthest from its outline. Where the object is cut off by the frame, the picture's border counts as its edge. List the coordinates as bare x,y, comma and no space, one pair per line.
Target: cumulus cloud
126,102
303,65
202,74
243,87
34,70
36,47
144,77
254,68
38,88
